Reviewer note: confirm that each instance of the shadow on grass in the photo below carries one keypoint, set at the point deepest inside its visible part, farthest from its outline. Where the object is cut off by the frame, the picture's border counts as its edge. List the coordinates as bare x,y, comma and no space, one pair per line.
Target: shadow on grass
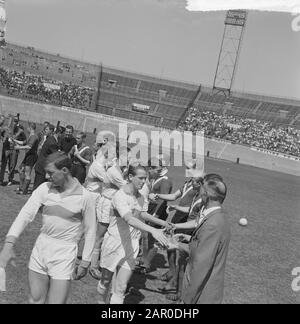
138,282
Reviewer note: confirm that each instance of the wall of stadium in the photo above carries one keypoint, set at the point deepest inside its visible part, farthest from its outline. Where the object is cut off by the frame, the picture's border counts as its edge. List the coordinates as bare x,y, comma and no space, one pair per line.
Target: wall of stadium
88,121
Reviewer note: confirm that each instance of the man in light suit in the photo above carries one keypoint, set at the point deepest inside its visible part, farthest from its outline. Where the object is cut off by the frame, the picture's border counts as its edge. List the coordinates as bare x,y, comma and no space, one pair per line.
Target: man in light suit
203,281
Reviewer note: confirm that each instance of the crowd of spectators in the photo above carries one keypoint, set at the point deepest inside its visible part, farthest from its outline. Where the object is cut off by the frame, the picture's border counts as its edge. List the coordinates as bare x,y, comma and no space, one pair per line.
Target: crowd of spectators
252,132
45,90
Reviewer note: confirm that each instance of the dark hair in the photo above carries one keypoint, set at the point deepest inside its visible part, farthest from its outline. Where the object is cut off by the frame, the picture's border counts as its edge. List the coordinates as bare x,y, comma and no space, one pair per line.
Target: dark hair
51,127
218,190
47,123
132,169
60,130
213,176
82,135
70,127
32,126
60,160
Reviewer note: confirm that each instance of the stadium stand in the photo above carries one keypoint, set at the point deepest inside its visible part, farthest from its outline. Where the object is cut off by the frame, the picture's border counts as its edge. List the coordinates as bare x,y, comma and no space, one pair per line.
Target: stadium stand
35,75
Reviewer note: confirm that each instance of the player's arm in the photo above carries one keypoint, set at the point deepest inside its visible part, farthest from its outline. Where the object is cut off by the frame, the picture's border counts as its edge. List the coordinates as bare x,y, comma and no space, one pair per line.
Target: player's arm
187,225
167,197
23,147
180,208
90,228
83,160
156,233
19,143
99,173
26,216
149,218
115,177
120,203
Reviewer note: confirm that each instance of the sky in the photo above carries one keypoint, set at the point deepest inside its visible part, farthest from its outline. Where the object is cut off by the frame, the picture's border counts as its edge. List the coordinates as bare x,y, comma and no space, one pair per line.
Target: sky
162,38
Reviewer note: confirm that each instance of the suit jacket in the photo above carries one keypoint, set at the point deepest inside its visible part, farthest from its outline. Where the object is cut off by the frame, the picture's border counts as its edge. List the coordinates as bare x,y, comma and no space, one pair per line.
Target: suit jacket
50,146
203,281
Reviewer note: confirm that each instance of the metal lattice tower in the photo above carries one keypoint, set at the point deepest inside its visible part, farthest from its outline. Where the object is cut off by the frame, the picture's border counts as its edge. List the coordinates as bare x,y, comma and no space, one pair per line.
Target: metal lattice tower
235,23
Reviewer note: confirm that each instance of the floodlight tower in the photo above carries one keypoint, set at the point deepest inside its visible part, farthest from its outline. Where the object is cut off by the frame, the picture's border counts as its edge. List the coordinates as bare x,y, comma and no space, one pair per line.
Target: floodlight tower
235,23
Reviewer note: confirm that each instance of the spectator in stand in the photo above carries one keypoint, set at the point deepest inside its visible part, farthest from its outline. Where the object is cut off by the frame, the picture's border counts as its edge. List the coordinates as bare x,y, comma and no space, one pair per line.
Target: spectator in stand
45,90
246,131
67,141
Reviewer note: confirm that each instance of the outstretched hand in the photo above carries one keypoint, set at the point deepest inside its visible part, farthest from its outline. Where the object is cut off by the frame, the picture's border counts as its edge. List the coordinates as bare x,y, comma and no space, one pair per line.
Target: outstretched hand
169,227
152,196
159,236
181,237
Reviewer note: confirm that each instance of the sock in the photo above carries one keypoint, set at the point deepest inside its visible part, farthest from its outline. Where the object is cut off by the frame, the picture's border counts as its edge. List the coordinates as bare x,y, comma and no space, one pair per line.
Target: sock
95,258
22,179
117,299
26,186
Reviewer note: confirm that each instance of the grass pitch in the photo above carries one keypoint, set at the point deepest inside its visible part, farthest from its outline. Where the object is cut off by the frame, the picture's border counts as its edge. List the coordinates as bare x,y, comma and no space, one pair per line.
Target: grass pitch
261,257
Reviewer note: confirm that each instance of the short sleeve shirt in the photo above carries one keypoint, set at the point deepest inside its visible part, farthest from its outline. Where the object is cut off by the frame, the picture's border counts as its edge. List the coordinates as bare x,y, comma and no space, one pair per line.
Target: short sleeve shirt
122,204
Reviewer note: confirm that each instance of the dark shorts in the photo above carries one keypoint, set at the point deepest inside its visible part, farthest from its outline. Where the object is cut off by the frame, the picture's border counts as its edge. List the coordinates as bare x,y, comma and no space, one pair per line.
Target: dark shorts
30,160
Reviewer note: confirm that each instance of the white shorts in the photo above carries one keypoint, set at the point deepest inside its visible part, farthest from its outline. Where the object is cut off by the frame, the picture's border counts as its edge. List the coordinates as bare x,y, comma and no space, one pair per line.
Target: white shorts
114,254
103,210
54,258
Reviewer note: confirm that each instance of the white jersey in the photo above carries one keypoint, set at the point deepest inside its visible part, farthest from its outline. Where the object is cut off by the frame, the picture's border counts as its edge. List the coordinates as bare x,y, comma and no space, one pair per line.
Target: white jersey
95,177
122,204
65,215
113,181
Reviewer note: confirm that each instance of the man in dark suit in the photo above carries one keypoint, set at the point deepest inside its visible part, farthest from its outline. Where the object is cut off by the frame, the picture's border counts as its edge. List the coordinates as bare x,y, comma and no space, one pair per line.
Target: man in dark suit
50,146
203,281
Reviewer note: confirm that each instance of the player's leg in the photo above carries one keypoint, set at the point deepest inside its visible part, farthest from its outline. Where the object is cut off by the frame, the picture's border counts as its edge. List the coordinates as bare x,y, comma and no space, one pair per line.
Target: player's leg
123,276
39,286
103,285
150,254
4,160
171,256
94,268
21,170
103,216
14,160
27,179
58,291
